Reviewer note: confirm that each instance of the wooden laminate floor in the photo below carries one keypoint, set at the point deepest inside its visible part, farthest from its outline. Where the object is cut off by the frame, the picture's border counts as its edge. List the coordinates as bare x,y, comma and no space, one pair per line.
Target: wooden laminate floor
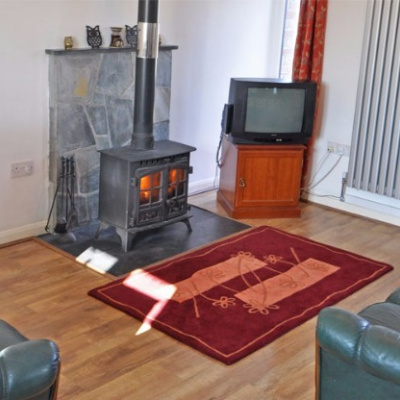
44,294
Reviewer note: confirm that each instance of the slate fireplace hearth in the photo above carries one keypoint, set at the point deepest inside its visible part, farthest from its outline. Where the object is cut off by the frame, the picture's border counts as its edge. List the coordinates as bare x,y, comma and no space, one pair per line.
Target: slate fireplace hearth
91,109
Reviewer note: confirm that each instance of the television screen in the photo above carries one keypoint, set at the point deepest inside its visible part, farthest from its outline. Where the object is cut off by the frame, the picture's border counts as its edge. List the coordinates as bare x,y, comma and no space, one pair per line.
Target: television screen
277,110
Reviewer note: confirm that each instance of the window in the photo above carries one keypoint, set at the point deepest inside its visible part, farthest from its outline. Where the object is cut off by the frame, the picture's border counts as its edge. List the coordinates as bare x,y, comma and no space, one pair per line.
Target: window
292,9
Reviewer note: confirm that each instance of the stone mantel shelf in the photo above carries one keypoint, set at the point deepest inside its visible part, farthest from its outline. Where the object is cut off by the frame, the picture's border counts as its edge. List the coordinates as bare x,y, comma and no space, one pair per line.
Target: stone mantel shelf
61,52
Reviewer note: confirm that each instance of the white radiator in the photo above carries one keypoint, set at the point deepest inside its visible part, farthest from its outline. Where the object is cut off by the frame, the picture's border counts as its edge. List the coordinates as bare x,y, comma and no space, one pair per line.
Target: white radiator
374,158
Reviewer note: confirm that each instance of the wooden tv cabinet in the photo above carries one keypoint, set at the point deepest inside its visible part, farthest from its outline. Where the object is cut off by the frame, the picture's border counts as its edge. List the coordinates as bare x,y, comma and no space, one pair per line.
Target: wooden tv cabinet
260,181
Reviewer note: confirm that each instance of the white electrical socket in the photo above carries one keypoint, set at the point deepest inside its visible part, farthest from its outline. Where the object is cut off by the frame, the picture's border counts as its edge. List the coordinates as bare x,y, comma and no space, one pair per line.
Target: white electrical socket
339,149
21,169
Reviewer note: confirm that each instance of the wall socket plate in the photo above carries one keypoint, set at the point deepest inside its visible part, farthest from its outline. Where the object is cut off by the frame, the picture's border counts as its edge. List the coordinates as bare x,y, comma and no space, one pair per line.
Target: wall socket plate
339,149
21,169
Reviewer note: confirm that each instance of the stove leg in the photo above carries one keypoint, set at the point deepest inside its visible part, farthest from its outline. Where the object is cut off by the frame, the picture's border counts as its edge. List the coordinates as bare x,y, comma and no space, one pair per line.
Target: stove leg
126,239
187,223
102,225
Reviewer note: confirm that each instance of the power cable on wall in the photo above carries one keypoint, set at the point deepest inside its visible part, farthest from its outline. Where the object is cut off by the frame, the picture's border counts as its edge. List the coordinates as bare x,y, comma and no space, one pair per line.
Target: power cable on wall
313,184
319,166
218,157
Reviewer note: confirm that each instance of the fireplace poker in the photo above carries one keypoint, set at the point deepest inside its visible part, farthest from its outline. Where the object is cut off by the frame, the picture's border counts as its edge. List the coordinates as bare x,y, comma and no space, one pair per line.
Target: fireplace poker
60,181
61,225
72,217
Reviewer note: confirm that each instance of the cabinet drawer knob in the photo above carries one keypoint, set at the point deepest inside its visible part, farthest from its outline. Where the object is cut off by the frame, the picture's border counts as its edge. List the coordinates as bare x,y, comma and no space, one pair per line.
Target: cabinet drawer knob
242,183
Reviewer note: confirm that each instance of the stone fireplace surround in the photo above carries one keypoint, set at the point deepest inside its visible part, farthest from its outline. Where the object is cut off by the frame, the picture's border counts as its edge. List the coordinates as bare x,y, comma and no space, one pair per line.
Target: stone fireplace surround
91,103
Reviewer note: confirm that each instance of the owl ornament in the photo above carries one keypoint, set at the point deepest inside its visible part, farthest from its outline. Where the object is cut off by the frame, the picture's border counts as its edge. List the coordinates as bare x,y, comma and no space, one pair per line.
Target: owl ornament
131,35
93,37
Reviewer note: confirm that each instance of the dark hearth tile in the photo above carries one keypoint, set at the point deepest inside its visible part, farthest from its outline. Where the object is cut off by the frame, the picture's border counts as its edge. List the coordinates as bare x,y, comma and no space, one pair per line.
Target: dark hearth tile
150,246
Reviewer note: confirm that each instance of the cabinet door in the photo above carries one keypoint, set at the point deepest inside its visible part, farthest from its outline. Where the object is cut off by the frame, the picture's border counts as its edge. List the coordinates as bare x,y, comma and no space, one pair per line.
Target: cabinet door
269,177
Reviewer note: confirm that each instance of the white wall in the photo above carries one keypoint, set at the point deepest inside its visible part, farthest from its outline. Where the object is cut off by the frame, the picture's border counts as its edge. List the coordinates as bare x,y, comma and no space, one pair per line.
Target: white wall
217,39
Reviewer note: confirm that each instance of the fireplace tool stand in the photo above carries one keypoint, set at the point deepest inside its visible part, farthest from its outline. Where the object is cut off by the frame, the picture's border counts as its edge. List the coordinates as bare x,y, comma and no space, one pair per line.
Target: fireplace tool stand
65,192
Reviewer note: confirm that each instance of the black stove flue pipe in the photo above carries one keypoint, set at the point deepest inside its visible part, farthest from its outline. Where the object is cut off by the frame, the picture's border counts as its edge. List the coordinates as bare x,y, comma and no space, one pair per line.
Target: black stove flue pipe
145,79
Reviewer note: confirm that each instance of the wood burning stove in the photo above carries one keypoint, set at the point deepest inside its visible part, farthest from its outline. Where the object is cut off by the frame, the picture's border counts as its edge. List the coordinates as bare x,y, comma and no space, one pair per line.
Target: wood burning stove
142,190
144,185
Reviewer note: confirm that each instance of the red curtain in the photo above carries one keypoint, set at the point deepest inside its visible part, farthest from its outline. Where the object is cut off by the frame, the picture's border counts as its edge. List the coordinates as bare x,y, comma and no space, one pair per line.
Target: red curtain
309,54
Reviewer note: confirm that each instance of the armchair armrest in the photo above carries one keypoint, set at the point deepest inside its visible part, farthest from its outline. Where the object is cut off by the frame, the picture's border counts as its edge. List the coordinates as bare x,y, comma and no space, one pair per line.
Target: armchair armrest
339,331
28,368
373,348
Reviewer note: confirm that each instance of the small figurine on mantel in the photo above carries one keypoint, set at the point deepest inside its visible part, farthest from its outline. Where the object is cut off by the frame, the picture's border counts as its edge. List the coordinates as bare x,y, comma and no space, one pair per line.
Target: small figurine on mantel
116,39
68,42
93,37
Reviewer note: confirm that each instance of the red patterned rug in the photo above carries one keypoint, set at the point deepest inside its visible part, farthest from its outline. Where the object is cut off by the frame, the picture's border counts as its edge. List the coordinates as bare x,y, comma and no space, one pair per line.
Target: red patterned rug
236,295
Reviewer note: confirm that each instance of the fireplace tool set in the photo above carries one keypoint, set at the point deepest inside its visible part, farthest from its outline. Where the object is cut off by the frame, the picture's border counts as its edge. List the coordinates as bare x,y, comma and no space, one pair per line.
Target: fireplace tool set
65,194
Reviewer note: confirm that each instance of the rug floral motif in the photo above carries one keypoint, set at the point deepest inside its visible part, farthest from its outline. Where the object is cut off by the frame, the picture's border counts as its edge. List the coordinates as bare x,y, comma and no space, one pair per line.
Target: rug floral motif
235,296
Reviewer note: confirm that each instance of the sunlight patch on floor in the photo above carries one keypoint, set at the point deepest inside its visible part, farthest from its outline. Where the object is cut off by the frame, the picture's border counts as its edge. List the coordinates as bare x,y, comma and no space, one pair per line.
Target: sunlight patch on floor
153,287
97,260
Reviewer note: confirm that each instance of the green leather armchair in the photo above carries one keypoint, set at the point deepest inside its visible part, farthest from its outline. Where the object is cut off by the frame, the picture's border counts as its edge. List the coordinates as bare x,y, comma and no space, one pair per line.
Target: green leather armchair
358,355
29,369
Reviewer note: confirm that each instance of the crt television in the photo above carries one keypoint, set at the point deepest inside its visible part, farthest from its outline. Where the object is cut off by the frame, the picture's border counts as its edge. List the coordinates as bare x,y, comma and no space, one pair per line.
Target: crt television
269,111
